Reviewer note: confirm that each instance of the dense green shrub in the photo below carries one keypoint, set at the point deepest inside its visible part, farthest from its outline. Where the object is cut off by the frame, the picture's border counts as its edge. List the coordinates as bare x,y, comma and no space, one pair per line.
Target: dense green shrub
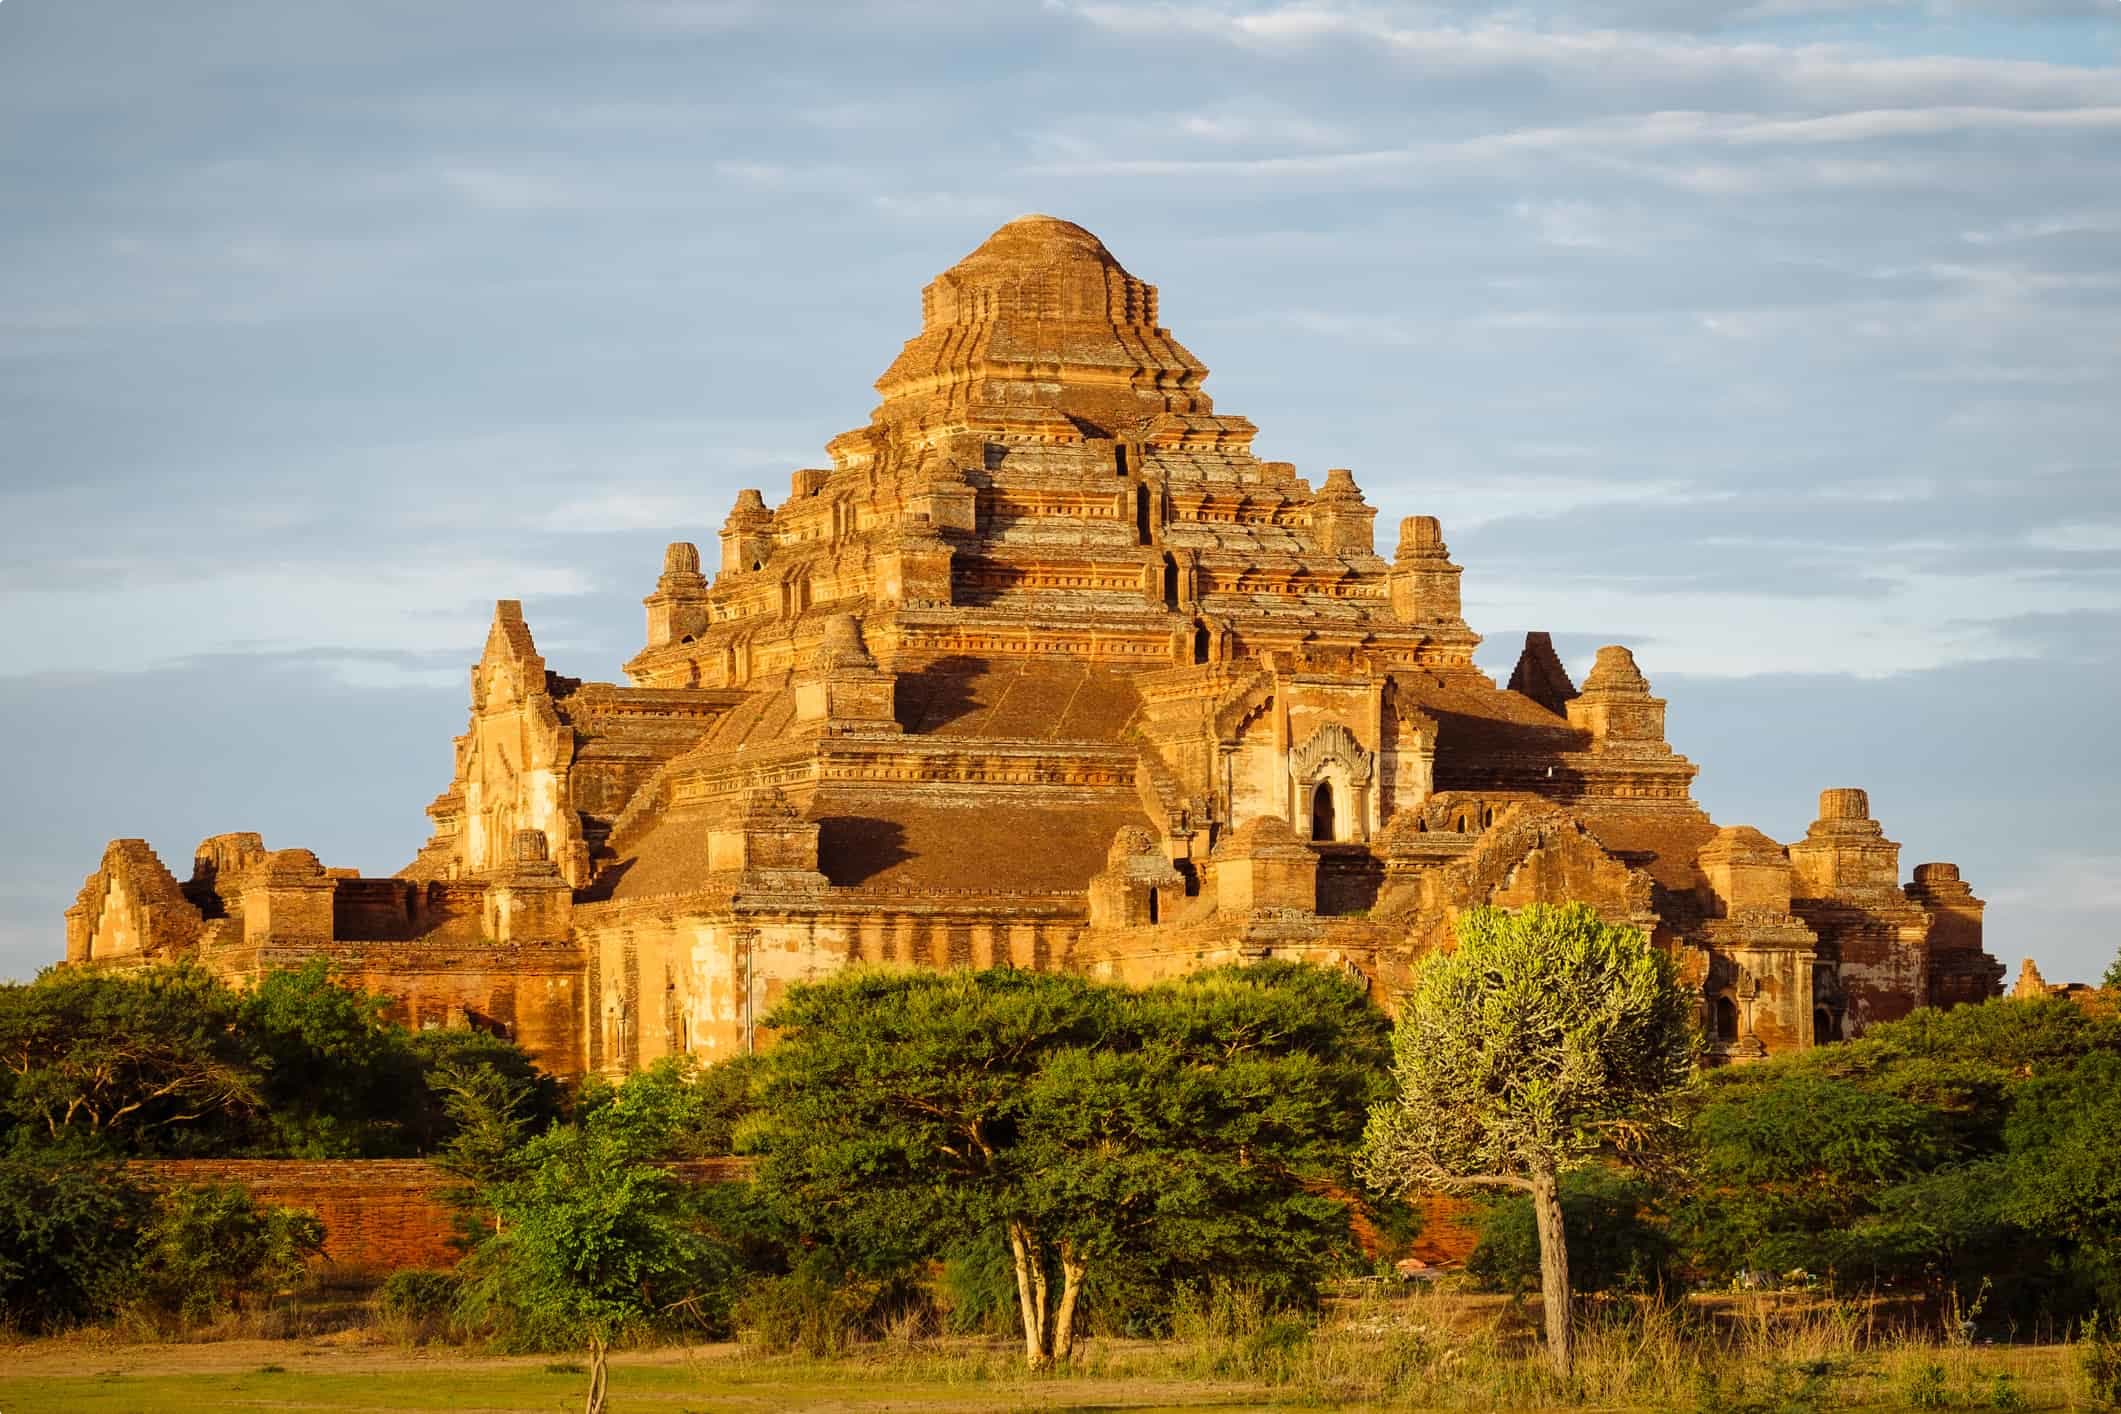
69,1236
212,1248
819,1311
1616,1241
1946,1151
418,1294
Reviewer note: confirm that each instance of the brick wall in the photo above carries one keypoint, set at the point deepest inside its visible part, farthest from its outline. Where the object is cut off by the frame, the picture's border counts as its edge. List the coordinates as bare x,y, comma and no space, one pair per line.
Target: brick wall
379,1214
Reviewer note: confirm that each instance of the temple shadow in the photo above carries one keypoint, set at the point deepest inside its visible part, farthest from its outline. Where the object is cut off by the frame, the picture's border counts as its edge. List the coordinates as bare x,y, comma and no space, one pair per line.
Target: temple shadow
852,849
940,693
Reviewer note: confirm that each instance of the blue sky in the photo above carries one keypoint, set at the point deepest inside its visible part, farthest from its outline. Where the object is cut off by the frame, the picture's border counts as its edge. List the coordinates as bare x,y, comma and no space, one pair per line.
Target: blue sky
1777,341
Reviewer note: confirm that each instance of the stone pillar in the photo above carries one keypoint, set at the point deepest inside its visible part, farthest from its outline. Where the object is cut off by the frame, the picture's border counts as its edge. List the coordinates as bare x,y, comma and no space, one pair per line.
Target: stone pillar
1959,971
766,844
1262,864
945,503
1138,886
843,692
1845,852
1746,872
912,567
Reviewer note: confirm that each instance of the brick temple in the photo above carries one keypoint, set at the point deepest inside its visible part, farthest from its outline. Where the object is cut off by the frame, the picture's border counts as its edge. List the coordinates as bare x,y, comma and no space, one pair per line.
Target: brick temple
1047,668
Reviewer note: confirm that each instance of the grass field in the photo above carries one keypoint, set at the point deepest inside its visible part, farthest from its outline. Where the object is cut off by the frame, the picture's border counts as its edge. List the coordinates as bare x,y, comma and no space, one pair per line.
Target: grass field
279,1375
1371,1348
95,1377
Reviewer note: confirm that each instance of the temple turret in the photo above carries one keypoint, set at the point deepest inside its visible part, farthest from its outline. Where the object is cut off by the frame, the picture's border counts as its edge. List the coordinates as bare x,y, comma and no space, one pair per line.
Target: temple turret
679,607
1616,707
1424,582
1844,853
1539,674
747,534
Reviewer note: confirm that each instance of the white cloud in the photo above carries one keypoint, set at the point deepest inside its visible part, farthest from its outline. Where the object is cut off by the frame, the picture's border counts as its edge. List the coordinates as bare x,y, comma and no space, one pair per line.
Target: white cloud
1606,59
2067,881
269,608
2089,536
633,509
1919,620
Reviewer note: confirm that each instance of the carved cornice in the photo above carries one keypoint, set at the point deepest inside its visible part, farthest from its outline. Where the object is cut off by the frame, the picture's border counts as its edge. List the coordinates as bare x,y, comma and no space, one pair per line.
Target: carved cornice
1332,743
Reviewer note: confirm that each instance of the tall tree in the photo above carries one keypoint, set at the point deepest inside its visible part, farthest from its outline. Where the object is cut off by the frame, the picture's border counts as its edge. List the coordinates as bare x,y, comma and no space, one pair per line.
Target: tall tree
339,1080
1191,1129
137,1064
1546,1039
893,1107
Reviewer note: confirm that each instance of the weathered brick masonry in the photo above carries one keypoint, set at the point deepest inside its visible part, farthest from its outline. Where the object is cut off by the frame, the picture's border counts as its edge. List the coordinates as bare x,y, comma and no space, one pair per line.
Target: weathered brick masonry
379,1215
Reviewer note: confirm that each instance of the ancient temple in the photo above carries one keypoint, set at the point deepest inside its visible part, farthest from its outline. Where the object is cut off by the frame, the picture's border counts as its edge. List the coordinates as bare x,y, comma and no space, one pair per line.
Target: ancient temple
1047,668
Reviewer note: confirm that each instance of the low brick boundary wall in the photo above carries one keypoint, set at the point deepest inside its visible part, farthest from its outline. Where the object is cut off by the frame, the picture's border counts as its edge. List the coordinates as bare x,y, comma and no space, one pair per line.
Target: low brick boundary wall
379,1215
1449,1230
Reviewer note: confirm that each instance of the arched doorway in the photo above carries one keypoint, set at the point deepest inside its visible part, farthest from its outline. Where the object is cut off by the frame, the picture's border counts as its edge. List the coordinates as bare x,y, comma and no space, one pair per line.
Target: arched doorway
1823,1028
1200,644
1322,812
1155,905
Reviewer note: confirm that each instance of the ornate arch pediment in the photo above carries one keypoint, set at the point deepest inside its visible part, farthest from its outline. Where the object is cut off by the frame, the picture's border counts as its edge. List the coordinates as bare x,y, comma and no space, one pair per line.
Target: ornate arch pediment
1331,744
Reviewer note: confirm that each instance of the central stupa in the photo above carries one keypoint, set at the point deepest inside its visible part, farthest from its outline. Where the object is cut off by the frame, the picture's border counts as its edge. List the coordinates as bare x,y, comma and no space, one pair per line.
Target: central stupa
1046,668
1039,320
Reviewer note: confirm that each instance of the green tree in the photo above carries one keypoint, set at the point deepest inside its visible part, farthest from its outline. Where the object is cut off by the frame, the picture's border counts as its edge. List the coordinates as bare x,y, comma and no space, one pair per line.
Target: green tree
1546,1039
1135,1136
892,1109
339,1080
1211,1138
147,1063
678,1108
508,1077
1942,1150
590,1245
1793,1169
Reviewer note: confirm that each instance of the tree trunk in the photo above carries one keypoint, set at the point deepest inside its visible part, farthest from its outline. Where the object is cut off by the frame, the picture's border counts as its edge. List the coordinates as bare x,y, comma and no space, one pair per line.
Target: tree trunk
599,1374
1031,1295
1553,1270
1073,1265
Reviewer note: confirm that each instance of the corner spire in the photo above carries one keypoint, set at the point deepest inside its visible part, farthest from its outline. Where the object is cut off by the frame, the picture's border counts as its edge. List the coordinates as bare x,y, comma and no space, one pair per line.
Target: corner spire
1540,675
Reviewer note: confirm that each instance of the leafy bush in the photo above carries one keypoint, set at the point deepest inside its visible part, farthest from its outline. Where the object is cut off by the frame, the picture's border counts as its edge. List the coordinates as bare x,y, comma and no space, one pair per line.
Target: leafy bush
807,1310
2099,1357
1933,1153
417,1294
69,1232
592,1246
211,1248
1614,1238
417,1306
